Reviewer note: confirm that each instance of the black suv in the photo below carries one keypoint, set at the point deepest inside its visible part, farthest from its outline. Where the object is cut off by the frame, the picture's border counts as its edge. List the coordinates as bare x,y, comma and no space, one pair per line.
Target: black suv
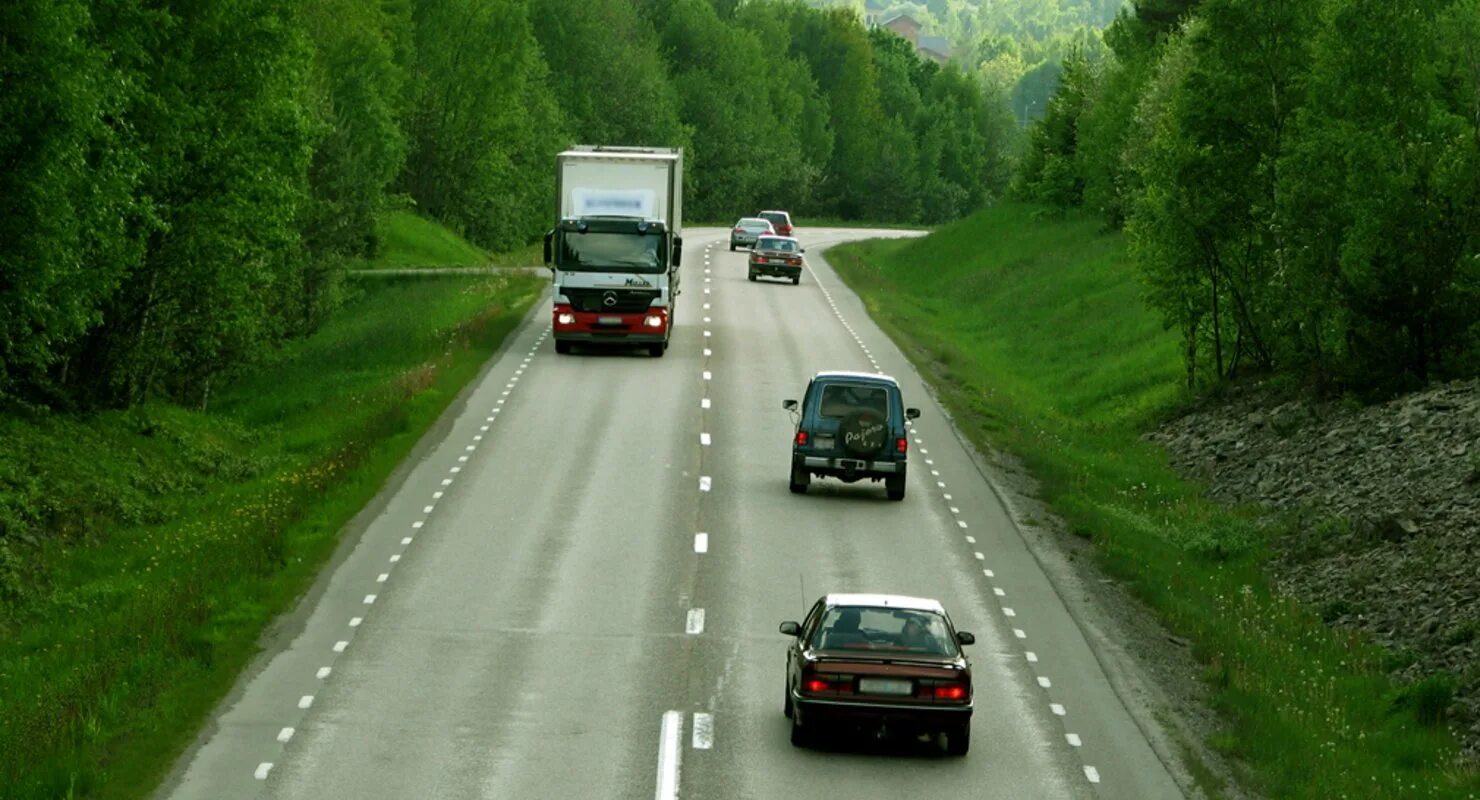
851,426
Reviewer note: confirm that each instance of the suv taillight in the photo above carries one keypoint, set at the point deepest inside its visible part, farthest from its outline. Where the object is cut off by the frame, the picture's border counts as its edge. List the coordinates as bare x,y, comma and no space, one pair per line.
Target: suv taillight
801,438
901,445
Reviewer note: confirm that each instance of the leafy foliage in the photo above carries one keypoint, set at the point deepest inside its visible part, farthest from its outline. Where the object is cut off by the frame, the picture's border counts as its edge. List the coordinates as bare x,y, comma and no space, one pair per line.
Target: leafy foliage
1299,181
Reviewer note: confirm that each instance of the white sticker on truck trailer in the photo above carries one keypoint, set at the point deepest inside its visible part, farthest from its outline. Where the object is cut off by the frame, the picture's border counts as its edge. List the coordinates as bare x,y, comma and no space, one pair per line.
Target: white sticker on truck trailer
613,202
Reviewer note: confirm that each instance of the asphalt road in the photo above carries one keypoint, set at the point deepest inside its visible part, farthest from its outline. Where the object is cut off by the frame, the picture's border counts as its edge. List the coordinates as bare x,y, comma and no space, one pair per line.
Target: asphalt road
575,591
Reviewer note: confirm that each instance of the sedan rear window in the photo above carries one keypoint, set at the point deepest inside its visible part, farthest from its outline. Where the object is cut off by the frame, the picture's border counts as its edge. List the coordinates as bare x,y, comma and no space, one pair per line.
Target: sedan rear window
772,243
885,630
842,399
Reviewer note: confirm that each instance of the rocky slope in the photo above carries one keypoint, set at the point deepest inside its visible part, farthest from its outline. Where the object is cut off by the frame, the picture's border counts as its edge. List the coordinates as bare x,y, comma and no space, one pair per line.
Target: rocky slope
1386,507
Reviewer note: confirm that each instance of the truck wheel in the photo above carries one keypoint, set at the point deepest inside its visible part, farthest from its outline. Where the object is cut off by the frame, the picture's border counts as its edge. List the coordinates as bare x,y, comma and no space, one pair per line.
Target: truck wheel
800,478
894,485
562,348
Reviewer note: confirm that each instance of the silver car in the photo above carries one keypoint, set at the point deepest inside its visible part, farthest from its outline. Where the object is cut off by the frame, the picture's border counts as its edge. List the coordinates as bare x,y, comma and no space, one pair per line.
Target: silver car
748,230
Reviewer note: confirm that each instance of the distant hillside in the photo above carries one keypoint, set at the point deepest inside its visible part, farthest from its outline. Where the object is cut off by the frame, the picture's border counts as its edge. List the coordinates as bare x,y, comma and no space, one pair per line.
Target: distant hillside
1016,45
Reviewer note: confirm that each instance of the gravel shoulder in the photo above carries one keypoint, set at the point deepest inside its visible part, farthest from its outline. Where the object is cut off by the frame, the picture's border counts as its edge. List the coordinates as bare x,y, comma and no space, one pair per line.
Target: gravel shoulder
1376,513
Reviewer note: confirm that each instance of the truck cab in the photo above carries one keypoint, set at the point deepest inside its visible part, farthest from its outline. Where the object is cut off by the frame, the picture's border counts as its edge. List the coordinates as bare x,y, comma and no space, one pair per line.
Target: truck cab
616,248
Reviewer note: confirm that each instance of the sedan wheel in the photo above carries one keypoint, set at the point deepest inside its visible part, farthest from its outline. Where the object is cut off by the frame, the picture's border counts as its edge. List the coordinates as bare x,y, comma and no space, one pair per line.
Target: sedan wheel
958,740
732,247
796,280
800,737
751,276
786,708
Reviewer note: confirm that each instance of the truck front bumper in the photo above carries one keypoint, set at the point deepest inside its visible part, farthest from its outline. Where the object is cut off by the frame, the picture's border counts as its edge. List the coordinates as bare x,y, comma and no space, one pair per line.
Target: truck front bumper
590,326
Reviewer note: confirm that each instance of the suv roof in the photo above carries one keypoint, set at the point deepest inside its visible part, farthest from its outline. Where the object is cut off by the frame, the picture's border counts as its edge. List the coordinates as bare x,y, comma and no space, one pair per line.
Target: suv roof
877,377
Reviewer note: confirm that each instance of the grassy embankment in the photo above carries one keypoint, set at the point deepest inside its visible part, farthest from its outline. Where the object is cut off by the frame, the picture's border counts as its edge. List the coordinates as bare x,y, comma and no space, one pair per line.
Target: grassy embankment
409,241
1034,335
161,541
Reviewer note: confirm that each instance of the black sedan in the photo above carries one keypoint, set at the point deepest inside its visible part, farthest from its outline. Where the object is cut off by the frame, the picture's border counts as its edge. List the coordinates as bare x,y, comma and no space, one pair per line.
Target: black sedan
881,663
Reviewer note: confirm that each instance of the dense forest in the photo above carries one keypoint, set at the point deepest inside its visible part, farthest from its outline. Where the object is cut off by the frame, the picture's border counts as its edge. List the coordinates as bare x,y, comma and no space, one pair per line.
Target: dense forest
188,182
1299,180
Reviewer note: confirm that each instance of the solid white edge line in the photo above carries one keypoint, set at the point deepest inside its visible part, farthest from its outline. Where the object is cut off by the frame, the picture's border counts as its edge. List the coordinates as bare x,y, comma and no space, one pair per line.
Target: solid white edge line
669,756
703,730
262,770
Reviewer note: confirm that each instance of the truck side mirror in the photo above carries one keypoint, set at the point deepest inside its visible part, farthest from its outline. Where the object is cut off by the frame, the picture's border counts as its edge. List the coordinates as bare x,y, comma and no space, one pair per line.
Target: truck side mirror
677,250
912,413
789,405
549,238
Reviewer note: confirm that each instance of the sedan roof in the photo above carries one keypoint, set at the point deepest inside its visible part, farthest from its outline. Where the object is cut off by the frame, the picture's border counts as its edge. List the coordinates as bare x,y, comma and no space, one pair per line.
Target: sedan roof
884,601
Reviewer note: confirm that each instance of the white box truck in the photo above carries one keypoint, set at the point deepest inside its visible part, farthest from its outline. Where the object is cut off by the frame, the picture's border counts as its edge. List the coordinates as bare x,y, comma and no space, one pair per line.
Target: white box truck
616,246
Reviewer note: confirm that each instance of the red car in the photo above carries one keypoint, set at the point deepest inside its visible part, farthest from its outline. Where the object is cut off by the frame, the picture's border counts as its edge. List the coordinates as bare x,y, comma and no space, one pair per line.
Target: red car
780,220
881,663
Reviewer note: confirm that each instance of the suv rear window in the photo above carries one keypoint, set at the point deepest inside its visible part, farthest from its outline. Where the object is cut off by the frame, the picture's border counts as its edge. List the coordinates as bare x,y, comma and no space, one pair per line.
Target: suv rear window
776,219
842,399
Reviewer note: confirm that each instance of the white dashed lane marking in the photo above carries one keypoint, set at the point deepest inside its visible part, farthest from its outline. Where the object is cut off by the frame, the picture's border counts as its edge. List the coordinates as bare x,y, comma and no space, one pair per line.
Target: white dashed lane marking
323,672
305,701
705,483
285,734
701,543
703,731
1073,739
262,770
1045,682
1091,774
1057,709
695,622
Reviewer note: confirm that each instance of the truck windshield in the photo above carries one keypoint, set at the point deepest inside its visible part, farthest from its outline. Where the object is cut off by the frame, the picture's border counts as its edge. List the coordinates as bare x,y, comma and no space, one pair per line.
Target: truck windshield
610,252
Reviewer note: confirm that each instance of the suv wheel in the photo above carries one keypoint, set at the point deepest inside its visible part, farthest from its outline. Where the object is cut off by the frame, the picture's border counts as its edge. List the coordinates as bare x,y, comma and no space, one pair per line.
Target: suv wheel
732,247
796,280
751,276
894,484
799,480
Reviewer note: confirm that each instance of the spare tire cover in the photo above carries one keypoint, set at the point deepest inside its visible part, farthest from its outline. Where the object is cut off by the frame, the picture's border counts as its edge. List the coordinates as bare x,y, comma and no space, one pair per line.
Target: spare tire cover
863,433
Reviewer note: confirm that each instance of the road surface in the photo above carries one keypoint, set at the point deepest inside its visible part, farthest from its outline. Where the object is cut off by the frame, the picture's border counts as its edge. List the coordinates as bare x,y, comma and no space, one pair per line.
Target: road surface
575,590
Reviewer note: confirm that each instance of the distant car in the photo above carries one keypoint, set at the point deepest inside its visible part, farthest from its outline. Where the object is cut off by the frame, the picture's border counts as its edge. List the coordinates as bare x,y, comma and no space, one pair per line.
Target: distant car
879,662
747,230
851,426
777,257
780,220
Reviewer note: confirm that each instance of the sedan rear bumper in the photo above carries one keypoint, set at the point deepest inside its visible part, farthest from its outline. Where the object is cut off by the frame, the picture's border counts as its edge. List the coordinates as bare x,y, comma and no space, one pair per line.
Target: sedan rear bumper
921,717
775,270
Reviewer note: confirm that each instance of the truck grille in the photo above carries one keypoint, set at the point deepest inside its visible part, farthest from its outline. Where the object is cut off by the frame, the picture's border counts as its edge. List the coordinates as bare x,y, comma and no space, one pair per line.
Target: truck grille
614,301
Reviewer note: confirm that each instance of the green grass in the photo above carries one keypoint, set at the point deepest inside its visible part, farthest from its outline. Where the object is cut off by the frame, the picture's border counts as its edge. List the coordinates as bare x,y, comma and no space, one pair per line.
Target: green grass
408,241
1033,331
146,550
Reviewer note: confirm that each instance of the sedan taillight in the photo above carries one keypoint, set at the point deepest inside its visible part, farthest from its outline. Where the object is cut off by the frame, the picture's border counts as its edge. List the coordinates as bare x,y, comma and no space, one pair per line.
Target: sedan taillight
951,691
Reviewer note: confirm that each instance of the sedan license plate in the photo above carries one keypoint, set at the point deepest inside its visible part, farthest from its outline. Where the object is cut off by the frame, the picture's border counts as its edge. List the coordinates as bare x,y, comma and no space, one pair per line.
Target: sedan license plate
889,686
608,320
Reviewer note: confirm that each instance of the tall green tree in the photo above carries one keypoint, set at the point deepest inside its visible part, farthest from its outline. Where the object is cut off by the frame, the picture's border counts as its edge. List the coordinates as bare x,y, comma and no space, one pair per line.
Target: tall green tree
71,172
485,126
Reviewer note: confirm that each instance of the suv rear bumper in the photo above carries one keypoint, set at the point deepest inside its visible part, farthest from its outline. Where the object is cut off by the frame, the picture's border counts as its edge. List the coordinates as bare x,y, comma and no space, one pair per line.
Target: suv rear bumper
847,467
